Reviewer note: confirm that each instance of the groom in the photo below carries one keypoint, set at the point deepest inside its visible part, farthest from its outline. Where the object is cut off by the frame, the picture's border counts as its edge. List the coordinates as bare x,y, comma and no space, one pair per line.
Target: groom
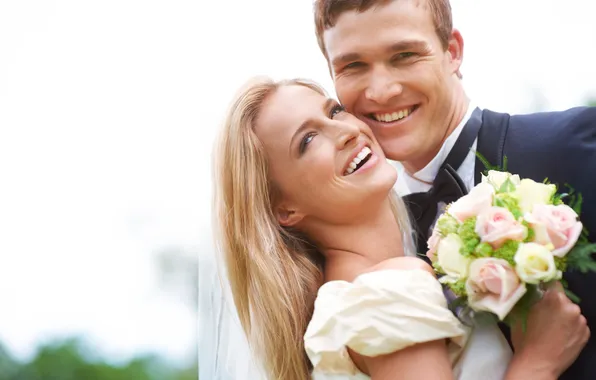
395,65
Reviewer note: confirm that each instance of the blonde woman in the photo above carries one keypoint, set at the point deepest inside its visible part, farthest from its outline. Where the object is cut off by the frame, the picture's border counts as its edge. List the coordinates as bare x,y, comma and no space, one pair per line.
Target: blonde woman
318,254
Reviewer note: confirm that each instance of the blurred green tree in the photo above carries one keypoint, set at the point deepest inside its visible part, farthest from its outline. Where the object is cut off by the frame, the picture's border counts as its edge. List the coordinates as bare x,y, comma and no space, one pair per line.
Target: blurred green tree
72,360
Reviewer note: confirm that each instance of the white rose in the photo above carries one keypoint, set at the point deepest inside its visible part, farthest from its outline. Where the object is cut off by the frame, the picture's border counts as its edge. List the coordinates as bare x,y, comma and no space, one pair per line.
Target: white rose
497,178
478,200
534,263
530,193
453,263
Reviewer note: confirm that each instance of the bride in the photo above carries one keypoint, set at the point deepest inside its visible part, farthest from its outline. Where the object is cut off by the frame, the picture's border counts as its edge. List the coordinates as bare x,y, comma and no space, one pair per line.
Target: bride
322,268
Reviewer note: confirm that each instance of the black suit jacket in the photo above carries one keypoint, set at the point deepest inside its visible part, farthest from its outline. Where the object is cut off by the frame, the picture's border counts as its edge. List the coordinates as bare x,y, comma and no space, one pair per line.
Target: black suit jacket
560,146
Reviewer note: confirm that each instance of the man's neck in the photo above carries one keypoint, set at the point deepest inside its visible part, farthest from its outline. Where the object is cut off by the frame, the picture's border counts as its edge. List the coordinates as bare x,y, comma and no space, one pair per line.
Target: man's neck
349,249
454,118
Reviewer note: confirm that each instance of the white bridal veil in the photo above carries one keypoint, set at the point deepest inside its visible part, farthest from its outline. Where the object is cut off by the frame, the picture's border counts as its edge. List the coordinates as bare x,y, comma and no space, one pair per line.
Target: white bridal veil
223,348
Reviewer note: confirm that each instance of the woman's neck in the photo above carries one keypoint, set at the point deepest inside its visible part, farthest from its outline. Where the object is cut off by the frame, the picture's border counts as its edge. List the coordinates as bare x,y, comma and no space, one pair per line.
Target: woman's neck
350,249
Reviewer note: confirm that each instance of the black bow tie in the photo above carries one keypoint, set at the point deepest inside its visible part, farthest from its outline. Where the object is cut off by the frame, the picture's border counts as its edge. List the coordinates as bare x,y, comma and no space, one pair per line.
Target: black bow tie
426,207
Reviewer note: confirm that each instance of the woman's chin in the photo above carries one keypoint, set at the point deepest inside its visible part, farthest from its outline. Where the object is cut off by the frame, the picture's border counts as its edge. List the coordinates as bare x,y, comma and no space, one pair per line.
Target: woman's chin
362,197
374,197
376,186
384,179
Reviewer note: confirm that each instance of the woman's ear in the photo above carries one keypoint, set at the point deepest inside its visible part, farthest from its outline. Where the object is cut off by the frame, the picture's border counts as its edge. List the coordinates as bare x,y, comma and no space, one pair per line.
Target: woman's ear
288,217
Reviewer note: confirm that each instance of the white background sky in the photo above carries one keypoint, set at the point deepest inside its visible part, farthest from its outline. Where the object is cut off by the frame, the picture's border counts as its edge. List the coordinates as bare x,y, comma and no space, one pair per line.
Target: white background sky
108,110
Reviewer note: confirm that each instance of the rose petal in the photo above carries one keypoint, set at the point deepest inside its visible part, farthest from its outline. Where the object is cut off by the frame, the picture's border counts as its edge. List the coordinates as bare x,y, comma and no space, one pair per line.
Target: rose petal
572,238
476,201
497,225
493,286
498,306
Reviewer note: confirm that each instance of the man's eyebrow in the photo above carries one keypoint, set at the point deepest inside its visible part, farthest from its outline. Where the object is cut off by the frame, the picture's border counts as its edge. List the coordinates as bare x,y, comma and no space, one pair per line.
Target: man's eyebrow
326,109
344,58
408,45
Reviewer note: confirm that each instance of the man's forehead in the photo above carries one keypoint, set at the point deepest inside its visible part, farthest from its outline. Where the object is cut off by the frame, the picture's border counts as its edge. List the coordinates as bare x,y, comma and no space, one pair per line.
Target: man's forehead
379,26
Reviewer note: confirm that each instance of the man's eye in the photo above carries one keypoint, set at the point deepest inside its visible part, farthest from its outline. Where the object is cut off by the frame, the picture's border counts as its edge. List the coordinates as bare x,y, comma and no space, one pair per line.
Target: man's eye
353,65
405,55
335,110
305,141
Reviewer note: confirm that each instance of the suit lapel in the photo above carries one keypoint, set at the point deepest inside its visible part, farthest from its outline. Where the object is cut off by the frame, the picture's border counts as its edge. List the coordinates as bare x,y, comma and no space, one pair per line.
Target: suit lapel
491,141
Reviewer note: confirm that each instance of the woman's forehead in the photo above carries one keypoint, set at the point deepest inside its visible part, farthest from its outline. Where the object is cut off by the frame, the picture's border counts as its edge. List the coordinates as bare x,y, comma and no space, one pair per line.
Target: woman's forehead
288,108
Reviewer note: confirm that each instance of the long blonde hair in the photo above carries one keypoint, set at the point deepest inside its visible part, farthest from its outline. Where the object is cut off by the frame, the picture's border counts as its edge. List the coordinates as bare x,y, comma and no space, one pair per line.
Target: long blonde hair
274,272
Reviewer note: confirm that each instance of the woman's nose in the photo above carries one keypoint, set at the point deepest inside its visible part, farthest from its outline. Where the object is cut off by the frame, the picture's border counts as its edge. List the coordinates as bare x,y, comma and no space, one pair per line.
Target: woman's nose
346,134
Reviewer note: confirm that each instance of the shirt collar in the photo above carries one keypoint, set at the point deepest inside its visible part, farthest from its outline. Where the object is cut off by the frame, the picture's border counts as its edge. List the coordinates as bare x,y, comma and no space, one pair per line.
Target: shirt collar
429,172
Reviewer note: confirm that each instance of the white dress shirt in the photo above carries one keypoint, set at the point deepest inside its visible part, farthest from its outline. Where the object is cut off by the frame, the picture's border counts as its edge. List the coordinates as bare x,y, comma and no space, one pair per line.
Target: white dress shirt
421,180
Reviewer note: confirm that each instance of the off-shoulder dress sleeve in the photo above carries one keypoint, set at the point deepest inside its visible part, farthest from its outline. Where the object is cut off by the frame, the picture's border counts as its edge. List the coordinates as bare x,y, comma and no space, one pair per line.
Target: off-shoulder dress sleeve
379,313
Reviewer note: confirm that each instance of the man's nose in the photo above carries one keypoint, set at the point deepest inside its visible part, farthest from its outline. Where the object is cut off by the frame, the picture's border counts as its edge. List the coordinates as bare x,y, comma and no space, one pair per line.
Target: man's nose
383,86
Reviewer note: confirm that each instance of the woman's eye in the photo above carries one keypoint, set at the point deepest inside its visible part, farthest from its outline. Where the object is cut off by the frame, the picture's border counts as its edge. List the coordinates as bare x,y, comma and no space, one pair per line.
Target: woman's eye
335,110
305,141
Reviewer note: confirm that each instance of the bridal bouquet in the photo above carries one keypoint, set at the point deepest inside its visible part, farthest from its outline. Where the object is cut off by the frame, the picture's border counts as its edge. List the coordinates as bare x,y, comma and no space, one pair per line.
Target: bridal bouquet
508,238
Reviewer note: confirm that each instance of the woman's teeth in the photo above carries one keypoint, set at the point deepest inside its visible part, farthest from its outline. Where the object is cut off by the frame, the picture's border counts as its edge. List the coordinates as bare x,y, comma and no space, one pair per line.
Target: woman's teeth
389,117
359,160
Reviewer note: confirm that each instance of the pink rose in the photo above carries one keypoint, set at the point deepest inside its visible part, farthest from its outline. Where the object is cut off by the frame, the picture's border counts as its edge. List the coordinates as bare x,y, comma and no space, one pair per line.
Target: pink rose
556,225
433,243
476,201
497,225
493,286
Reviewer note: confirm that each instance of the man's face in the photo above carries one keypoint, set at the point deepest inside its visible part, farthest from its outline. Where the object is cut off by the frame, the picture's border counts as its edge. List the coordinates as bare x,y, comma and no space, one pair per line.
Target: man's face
391,71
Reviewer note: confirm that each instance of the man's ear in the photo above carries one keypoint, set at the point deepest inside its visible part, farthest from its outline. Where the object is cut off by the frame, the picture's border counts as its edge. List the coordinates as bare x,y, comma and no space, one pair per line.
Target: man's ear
456,51
288,217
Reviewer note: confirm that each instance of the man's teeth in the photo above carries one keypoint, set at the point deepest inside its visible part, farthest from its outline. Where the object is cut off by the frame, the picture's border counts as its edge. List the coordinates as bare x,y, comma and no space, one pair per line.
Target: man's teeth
358,159
388,117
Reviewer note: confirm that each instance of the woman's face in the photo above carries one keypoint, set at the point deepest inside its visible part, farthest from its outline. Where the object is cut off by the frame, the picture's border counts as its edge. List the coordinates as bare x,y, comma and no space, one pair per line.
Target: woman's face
325,163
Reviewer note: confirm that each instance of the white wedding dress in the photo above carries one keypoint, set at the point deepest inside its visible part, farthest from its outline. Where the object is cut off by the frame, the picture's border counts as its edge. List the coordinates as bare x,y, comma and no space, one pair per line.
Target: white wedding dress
388,310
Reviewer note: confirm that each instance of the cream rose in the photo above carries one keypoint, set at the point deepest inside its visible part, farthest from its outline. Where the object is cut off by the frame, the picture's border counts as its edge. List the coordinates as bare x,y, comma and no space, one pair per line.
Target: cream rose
493,286
476,201
530,193
449,258
534,263
497,225
497,178
556,225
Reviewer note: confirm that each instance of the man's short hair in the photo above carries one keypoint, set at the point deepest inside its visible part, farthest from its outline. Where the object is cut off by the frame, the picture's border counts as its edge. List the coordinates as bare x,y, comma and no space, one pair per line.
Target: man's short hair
328,11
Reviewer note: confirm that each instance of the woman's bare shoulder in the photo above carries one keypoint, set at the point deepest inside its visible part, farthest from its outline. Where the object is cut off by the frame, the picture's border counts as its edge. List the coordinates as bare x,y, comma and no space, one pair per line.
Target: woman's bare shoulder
350,271
401,263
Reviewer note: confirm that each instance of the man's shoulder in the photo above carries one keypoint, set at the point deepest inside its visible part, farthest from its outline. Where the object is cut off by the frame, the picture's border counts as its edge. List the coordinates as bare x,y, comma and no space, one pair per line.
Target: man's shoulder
570,126
546,120
575,115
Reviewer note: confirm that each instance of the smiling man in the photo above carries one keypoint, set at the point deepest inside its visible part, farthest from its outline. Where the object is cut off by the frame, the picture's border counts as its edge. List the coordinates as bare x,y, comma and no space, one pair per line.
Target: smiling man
396,66
398,72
